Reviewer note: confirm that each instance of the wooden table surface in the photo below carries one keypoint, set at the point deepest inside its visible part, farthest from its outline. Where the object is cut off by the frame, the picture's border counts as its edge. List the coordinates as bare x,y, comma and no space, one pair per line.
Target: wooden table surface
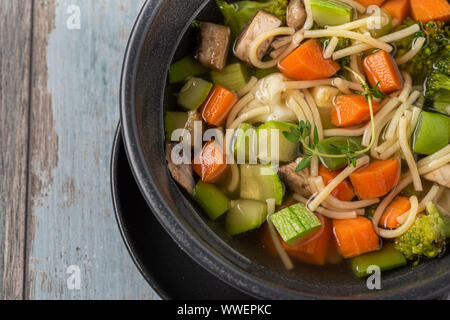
59,107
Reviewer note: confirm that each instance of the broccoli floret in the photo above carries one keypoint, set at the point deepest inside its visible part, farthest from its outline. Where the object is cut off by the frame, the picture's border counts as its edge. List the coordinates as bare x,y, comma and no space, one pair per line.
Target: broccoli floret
238,14
437,86
443,65
426,237
437,82
436,48
441,102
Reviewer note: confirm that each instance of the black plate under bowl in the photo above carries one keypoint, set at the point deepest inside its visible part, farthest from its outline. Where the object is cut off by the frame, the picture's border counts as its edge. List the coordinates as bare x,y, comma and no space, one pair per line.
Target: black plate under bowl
168,270
161,34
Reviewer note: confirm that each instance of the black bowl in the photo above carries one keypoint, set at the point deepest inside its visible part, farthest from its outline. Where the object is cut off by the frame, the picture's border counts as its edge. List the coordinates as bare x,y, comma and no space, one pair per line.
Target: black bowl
161,34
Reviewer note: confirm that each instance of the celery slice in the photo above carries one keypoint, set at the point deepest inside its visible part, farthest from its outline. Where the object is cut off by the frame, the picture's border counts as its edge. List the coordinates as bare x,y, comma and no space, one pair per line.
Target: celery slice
213,201
187,67
386,259
245,215
194,93
234,76
260,182
432,133
331,12
174,120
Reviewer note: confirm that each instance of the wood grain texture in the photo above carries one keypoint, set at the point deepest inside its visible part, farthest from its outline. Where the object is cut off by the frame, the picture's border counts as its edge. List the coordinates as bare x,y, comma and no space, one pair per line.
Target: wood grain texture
74,115
15,35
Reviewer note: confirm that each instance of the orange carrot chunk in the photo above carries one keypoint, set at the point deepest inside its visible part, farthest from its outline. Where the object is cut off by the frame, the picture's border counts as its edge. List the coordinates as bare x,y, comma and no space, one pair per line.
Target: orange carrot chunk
355,236
210,163
315,251
399,9
377,179
430,10
367,3
344,191
351,109
217,105
397,208
381,68
307,63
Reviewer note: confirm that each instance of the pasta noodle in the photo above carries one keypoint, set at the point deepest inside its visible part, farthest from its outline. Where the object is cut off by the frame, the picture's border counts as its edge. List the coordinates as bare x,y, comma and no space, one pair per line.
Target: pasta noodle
332,214
388,38
417,46
315,113
233,185
241,104
248,87
354,64
407,87
392,129
406,150
273,235
390,234
344,205
432,195
356,132
351,35
336,181
253,52
331,47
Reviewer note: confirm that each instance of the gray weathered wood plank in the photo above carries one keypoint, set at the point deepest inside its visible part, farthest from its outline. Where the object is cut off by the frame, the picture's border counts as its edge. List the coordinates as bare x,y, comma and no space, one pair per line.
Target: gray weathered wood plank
74,115
15,35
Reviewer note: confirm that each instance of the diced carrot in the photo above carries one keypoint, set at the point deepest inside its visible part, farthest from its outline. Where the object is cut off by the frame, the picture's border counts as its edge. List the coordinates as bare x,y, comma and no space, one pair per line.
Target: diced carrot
217,105
367,3
351,109
381,69
355,236
307,63
210,163
314,251
377,179
399,9
398,207
344,191
430,10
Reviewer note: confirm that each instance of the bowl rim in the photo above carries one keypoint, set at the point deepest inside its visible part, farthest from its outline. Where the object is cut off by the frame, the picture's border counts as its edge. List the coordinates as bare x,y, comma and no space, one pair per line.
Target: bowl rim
198,249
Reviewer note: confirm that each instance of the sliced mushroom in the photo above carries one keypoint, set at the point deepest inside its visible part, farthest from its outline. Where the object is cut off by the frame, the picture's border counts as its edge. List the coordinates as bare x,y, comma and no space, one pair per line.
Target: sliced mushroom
296,14
214,44
440,176
262,22
181,173
296,181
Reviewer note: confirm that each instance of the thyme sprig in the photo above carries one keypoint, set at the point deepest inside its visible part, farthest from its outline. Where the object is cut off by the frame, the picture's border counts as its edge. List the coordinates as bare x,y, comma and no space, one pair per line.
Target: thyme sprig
302,132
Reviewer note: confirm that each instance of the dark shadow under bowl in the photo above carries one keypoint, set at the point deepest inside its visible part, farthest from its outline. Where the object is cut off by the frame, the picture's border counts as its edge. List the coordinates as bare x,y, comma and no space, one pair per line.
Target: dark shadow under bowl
162,33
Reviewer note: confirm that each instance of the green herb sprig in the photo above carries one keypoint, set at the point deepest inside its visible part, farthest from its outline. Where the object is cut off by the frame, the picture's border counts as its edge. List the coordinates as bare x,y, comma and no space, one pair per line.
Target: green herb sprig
349,151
